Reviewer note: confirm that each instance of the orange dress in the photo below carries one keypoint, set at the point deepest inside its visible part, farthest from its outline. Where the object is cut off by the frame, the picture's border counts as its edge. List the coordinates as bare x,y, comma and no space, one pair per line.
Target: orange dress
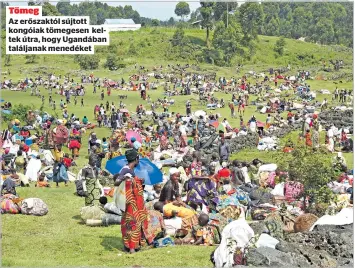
308,139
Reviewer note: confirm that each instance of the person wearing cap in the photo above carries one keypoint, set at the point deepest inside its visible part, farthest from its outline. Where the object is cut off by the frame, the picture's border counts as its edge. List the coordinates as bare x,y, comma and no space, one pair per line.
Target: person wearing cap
130,199
170,191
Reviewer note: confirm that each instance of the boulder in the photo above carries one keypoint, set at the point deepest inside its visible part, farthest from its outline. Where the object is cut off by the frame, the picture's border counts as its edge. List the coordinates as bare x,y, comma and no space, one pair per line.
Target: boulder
268,257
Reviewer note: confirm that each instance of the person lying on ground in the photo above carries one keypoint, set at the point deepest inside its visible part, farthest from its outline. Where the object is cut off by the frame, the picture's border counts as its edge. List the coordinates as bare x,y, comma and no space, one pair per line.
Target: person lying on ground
174,209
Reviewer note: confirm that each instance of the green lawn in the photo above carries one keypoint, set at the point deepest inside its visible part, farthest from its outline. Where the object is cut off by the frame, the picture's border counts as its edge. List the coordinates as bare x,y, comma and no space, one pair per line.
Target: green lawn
59,239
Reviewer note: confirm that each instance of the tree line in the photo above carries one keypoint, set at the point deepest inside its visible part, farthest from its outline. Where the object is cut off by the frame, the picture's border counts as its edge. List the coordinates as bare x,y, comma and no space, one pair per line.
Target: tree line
324,23
232,31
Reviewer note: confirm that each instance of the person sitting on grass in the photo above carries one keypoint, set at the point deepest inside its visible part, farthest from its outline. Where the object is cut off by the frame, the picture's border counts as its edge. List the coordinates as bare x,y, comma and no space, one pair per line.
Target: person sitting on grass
8,186
170,191
41,181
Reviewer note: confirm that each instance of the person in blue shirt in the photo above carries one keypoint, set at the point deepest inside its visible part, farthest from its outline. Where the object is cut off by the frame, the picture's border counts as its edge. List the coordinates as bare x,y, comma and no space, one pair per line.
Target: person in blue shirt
136,144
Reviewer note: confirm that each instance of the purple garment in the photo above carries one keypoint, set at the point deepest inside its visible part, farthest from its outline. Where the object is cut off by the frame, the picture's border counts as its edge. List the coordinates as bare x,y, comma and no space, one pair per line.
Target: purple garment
202,191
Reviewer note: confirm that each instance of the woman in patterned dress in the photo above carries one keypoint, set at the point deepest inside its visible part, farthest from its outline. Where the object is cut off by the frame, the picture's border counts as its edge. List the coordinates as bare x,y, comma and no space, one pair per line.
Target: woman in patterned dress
129,197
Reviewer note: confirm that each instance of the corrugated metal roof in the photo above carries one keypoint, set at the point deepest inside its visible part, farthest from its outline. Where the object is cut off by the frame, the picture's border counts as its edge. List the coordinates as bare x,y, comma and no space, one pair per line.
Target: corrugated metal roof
119,21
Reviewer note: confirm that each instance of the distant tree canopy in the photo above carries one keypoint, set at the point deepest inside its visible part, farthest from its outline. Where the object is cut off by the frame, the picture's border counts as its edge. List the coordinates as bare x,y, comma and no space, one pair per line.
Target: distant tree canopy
325,23
182,9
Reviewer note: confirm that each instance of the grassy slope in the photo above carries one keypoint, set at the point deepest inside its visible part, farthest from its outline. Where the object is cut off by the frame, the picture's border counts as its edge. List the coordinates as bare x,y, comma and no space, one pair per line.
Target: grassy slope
59,238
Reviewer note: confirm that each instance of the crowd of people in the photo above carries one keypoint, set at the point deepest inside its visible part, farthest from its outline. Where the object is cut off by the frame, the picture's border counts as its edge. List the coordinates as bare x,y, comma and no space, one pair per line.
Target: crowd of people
198,199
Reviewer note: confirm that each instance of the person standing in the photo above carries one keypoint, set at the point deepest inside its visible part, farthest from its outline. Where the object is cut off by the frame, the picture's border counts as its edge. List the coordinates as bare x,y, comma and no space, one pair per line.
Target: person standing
91,185
129,198
224,151
188,108
336,94
231,106
82,102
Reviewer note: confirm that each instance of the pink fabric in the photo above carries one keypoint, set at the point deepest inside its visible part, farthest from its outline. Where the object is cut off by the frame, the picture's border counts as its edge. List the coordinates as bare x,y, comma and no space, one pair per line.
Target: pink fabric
293,190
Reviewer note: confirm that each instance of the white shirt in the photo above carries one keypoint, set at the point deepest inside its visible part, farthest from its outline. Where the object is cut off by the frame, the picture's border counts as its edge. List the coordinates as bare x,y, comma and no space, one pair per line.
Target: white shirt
330,133
183,130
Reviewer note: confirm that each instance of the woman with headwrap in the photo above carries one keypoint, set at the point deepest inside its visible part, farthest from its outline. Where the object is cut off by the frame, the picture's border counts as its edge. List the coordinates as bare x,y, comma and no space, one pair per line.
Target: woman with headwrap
129,199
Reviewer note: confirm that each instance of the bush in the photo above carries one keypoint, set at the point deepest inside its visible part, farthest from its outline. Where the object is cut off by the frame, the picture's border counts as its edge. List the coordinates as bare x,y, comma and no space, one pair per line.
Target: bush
111,62
311,168
132,49
18,112
87,62
30,59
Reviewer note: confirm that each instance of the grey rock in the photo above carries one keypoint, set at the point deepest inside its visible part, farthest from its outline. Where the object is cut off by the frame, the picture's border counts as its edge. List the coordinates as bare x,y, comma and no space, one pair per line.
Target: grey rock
268,257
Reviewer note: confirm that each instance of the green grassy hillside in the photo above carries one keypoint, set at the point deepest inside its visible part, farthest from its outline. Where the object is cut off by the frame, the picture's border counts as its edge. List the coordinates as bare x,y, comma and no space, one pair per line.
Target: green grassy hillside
152,47
59,239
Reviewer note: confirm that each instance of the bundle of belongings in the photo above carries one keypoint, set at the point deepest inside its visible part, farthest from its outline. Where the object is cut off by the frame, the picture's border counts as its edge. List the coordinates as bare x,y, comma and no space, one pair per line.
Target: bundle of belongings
12,204
104,214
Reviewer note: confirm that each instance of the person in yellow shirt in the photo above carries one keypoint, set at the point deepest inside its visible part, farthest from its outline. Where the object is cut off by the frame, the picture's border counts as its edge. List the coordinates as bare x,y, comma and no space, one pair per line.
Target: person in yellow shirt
174,209
58,154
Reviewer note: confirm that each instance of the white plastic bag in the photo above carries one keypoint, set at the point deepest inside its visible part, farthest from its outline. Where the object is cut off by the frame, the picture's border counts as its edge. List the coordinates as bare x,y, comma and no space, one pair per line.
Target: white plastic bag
279,189
266,240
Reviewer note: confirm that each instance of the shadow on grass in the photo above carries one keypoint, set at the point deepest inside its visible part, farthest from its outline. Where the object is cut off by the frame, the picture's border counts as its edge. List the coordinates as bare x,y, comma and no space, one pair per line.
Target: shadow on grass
78,218
112,243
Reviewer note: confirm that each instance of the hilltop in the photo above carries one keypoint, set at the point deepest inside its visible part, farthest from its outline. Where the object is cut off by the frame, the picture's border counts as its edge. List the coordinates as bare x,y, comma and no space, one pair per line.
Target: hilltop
152,47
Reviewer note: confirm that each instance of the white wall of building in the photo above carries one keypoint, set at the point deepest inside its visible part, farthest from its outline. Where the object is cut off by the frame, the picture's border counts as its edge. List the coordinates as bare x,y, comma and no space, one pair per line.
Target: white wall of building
122,27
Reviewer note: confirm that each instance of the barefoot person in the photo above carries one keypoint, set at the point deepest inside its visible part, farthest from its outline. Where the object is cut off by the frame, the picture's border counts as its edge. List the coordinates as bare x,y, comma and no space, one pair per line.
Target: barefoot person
134,218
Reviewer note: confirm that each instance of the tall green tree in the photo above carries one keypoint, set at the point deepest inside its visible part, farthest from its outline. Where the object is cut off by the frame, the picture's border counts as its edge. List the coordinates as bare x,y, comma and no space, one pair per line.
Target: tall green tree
178,36
223,7
228,39
182,9
251,16
64,7
279,47
3,14
49,10
207,22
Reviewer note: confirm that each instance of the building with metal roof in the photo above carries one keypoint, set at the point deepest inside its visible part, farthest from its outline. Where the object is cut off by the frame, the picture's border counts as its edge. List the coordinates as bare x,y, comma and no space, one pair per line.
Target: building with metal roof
114,25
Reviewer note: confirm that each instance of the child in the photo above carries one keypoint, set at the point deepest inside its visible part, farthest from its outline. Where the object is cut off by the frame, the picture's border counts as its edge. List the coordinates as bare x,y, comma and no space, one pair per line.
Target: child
41,182
105,147
67,161
196,168
148,141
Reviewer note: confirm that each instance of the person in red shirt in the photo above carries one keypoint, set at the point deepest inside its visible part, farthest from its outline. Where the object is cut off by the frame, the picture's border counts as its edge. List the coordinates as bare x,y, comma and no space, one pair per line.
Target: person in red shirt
67,161
25,148
25,133
224,173
74,146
